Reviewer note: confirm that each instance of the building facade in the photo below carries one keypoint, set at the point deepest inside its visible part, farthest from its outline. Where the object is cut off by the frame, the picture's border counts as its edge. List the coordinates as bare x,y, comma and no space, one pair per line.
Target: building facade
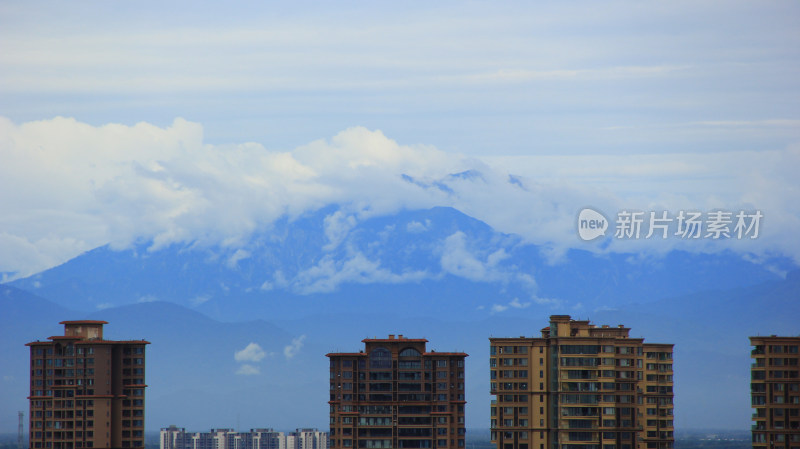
86,392
775,392
177,438
580,386
396,394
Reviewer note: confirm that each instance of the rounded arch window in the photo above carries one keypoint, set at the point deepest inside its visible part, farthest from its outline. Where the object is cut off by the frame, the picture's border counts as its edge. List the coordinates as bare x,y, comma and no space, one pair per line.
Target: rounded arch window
409,352
380,358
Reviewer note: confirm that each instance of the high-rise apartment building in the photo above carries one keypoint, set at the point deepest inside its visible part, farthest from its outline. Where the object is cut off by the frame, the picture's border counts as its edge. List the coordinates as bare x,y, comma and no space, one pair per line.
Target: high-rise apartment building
775,392
581,386
86,392
173,437
396,394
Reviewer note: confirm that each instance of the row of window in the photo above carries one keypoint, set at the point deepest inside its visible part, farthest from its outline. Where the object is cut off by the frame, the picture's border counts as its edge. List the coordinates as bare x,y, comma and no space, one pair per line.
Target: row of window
509,374
407,420
494,350
80,444
62,382
761,362
63,393
509,361
62,372
389,409
597,398
384,361
574,349
68,350
388,386
63,362
402,444
776,349
762,375
594,374
762,400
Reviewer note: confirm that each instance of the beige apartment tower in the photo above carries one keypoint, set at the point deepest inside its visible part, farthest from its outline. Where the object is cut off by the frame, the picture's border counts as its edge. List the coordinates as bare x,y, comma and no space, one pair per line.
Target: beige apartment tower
581,386
86,392
775,392
395,393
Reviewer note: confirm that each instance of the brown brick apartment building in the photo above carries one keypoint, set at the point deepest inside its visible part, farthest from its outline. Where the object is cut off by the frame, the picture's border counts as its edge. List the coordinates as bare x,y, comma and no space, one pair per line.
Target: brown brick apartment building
581,386
397,394
86,392
775,392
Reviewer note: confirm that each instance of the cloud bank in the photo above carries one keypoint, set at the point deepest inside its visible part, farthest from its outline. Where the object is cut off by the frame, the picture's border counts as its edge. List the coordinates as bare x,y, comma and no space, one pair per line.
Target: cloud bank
69,187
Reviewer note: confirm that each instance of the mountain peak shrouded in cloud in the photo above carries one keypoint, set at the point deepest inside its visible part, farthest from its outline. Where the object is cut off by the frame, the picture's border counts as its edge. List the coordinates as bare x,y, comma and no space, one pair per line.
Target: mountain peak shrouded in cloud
119,185
411,261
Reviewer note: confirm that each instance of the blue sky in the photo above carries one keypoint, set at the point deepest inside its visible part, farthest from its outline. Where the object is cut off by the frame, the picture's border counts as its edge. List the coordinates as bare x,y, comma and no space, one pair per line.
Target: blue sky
131,120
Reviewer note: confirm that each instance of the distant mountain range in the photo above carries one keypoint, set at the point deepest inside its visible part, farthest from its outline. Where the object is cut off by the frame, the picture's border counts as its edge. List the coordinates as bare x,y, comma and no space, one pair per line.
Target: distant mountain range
429,260
323,282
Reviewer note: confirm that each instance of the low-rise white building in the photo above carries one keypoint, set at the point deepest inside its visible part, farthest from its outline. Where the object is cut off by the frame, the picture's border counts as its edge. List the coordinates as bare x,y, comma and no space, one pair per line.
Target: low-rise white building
173,437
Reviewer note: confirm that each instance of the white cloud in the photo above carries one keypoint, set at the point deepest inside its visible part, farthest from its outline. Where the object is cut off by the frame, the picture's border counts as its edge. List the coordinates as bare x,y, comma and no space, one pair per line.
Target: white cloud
251,353
496,308
200,299
105,305
457,260
416,227
292,349
515,303
240,254
248,370
548,302
119,184
336,226
330,272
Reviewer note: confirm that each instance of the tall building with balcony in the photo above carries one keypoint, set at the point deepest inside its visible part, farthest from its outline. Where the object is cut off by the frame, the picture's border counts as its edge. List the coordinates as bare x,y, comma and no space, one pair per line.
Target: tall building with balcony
775,392
580,386
86,392
395,393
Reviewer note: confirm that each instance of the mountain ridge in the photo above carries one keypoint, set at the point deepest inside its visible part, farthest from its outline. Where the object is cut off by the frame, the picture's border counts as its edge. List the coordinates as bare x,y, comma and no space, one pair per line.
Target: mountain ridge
191,351
334,256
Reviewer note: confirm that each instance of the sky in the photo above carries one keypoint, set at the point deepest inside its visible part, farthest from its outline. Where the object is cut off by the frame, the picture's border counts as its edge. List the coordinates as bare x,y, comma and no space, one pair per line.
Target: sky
126,121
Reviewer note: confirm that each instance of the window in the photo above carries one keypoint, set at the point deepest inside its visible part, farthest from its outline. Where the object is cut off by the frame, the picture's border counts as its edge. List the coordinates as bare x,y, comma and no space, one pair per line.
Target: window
409,352
380,358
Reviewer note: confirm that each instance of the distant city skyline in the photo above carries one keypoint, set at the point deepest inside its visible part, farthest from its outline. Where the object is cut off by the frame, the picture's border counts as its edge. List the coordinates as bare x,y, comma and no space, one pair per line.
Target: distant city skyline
174,437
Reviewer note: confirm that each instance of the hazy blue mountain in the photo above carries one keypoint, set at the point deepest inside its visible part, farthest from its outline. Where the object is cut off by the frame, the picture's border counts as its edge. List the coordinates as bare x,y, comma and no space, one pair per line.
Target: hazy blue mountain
428,260
24,317
192,370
